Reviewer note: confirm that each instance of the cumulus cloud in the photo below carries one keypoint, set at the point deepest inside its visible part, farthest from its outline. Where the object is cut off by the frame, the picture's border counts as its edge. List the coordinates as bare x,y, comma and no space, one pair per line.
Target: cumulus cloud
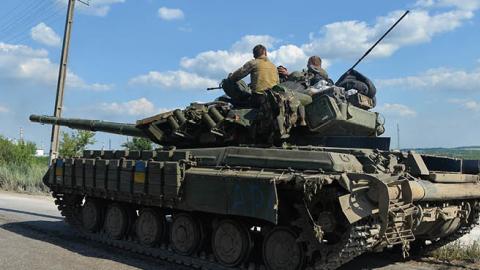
397,110
343,40
173,79
349,39
42,33
170,14
33,67
468,104
443,79
461,4
217,64
246,43
99,8
339,40
137,107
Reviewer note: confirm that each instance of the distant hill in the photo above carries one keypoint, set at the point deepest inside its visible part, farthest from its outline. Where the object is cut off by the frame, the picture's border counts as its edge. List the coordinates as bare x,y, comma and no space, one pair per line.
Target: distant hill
466,152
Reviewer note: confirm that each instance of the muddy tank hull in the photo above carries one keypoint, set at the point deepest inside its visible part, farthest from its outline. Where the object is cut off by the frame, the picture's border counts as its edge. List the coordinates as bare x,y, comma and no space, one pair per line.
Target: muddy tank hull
278,208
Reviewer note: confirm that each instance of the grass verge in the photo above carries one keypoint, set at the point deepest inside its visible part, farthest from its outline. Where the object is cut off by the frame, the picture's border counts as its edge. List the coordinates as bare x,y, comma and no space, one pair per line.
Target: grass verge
458,251
21,178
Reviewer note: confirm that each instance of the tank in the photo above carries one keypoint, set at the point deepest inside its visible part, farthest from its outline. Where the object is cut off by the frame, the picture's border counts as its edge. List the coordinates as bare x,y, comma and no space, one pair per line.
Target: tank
302,182
229,189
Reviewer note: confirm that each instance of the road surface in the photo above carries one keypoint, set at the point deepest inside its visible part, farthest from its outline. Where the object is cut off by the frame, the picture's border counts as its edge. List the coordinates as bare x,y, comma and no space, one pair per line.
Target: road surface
34,236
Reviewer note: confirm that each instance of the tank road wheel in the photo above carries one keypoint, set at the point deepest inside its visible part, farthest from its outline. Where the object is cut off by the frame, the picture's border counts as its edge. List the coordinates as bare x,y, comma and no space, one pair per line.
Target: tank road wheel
92,215
185,234
116,221
231,243
150,226
281,250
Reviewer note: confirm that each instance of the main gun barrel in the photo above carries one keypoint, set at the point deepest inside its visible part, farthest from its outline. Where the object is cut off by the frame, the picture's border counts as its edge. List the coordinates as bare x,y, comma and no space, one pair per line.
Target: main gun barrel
91,125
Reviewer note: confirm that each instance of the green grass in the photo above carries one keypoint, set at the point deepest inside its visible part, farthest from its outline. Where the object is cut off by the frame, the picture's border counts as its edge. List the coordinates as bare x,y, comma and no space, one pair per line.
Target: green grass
20,178
458,251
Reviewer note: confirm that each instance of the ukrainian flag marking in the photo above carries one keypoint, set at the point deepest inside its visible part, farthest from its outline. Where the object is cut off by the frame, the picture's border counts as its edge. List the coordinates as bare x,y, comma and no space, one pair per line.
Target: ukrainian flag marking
59,168
139,176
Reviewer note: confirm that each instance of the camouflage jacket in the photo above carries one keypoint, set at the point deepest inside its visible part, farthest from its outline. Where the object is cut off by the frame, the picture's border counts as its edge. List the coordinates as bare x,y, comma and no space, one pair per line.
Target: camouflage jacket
263,74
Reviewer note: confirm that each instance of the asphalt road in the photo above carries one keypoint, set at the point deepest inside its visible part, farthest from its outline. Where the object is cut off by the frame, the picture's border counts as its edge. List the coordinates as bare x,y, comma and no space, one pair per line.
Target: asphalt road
34,236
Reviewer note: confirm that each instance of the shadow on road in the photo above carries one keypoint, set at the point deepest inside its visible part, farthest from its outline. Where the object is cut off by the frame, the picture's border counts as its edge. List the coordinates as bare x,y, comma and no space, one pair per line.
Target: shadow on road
372,261
60,234
30,213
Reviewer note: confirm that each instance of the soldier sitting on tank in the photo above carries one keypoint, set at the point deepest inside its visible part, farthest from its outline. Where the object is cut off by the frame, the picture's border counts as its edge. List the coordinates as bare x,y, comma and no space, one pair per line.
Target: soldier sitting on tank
309,81
263,76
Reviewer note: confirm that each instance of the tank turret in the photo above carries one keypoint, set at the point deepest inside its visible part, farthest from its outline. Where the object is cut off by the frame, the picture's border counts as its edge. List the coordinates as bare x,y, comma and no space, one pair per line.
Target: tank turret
287,116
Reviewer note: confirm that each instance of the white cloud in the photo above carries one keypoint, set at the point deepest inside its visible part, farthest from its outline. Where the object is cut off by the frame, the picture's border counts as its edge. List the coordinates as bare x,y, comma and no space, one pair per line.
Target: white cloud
174,80
4,109
217,64
343,40
460,4
28,66
442,79
468,104
290,55
246,43
99,8
44,34
397,110
137,107
350,39
424,3
338,40
170,14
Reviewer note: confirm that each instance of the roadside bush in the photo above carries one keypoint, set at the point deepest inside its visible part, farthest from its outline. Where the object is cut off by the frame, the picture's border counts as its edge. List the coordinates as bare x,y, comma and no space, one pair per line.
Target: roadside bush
20,170
20,153
23,178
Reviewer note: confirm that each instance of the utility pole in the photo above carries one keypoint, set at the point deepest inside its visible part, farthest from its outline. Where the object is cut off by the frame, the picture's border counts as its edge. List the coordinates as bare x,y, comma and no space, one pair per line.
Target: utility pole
398,136
21,135
62,74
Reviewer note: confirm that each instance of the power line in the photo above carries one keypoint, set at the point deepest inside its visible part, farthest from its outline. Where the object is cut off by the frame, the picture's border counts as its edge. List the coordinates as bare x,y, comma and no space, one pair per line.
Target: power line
22,24
19,30
26,14
23,34
10,14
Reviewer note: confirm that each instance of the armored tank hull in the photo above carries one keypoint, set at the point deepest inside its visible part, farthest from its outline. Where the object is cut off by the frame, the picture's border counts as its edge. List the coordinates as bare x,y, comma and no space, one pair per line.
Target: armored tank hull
266,208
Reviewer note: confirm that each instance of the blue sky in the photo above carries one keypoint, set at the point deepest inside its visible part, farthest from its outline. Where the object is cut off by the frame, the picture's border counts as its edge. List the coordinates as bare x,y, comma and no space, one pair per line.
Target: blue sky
131,59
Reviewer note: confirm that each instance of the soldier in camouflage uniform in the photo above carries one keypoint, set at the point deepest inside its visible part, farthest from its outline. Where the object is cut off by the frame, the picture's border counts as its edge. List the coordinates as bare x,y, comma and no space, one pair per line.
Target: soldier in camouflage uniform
263,75
307,78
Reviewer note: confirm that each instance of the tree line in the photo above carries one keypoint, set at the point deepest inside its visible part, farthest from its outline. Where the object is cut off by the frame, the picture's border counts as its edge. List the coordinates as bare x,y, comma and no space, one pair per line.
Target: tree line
71,144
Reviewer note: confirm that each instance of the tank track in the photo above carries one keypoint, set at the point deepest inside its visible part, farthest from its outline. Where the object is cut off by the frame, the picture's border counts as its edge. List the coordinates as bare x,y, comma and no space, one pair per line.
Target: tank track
358,239
462,231
70,210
